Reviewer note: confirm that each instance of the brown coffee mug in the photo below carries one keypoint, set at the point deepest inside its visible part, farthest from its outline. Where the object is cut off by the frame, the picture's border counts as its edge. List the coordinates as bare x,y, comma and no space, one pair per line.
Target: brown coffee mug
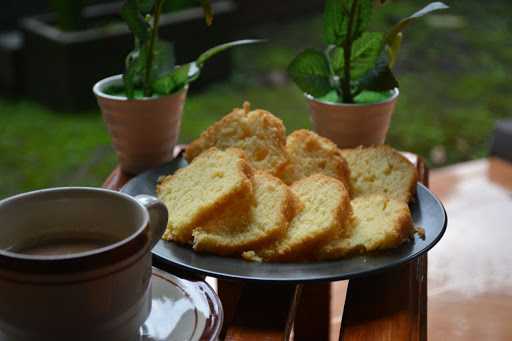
75,264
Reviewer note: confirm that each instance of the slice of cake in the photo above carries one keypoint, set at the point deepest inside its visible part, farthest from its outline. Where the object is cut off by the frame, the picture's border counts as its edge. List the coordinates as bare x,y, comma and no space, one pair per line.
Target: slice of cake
310,154
270,214
378,223
380,169
213,180
261,135
326,209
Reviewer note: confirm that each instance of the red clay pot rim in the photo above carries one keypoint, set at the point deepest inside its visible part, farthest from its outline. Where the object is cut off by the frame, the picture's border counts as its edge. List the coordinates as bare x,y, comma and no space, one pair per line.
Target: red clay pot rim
79,255
98,88
395,94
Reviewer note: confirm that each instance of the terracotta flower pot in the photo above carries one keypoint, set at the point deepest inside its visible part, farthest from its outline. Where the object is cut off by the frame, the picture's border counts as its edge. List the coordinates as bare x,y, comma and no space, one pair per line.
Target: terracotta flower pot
144,131
352,125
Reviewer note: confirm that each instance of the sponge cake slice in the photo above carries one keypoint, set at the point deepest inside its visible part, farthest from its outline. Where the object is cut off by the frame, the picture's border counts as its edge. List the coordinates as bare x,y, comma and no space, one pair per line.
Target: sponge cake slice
214,179
326,209
378,223
310,154
261,135
269,216
380,169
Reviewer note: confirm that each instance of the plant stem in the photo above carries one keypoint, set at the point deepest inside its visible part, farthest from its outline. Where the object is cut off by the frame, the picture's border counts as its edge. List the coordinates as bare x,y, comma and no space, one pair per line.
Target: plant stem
151,48
333,78
347,54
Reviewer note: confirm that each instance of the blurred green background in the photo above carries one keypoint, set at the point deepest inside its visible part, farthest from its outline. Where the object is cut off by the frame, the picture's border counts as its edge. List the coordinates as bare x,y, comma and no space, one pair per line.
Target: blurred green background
454,72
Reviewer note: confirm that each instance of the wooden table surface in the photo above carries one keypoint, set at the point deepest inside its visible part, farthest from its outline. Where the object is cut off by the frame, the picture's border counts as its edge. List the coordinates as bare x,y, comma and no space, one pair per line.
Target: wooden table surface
470,270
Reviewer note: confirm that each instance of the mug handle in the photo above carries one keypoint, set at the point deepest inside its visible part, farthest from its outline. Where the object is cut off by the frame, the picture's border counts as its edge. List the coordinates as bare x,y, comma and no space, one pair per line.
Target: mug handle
157,216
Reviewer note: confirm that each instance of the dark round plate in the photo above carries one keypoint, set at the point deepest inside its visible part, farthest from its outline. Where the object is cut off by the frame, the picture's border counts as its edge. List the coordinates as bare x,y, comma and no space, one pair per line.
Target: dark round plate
427,212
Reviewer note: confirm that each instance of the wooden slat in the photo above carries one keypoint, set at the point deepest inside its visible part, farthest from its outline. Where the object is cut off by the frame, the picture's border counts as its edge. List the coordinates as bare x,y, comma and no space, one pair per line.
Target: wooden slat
264,312
313,318
229,293
391,305
116,180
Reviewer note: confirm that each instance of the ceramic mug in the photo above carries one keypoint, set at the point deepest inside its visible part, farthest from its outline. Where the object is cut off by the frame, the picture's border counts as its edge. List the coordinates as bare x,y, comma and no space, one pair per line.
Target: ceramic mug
98,291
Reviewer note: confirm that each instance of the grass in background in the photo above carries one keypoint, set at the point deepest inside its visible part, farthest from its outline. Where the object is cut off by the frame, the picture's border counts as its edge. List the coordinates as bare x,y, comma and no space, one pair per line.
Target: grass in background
453,73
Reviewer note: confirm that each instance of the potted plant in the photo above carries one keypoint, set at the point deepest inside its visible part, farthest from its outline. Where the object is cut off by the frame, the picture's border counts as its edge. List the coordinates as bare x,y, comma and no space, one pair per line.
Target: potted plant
350,86
60,48
142,108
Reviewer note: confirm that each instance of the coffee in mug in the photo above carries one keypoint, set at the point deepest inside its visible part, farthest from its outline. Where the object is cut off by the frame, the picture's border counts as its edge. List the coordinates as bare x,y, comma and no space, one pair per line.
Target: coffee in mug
66,244
75,264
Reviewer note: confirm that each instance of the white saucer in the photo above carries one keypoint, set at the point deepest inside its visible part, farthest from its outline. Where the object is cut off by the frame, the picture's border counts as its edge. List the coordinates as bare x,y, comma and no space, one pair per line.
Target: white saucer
182,310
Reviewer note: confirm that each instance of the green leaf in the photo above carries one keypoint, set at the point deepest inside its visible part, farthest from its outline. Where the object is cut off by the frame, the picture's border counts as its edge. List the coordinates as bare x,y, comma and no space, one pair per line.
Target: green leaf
364,97
193,72
69,14
310,71
134,71
337,60
219,48
145,6
331,96
163,58
434,6
135,21
163,61
173,80
369,97
170,81
176,79
380,78
365,52
362,18
393,48
208,11
337,15
394,36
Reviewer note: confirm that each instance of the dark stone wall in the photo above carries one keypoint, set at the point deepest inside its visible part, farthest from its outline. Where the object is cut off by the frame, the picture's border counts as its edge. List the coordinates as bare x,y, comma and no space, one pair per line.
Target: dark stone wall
11,11
254,11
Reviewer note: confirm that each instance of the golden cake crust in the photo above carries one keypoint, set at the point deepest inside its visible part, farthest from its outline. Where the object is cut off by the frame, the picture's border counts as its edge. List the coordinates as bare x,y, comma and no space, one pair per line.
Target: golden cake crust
310,154
261,135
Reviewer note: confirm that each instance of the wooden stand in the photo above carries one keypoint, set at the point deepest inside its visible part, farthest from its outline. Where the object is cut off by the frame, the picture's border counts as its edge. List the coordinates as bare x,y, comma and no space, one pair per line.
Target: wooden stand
388,306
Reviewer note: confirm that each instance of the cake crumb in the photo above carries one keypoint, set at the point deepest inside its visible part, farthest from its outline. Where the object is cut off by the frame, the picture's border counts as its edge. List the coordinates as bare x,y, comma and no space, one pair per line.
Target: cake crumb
420,231
247,106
